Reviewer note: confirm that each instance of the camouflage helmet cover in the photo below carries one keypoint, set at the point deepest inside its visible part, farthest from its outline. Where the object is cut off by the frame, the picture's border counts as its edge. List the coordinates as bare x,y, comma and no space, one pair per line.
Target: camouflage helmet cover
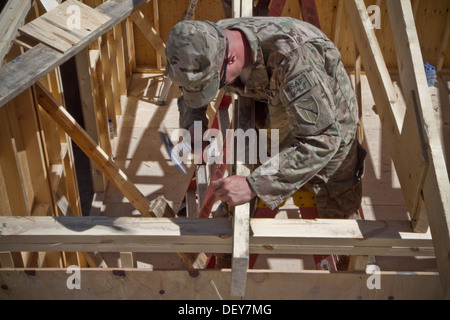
195,51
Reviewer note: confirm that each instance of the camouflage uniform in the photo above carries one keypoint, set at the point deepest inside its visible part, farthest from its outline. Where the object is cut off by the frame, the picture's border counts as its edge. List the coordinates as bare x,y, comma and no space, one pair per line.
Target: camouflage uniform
301,85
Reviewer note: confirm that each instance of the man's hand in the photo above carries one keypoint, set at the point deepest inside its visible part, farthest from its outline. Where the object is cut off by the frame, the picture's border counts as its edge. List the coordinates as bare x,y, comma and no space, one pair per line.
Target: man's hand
233,190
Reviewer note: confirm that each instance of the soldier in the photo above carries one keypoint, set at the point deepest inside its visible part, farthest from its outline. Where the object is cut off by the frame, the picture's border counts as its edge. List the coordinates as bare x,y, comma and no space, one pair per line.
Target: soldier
301,88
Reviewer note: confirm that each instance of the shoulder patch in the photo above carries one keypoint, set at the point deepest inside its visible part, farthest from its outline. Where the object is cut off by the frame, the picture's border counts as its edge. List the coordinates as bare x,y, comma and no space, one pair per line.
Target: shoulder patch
308,109
297,86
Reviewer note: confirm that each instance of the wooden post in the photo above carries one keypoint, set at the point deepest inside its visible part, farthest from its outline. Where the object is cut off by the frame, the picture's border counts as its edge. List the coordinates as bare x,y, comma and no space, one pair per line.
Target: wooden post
436,187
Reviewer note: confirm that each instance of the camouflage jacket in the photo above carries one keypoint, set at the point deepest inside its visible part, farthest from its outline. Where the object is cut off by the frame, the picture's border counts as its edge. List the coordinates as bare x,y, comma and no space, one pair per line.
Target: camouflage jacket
293,70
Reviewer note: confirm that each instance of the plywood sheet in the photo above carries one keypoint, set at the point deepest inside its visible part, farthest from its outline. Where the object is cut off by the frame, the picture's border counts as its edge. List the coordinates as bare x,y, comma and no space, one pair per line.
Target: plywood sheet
63,27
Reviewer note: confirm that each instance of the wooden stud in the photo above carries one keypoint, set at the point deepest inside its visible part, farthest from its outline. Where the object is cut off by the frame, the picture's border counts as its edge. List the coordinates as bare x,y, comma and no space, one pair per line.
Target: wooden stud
436,188
337,23
128,260
112,49
119,44
11,171
107,81
444,43
28,124
89,103
400,131
156,24
11,18
91,149
150,33
358,91
245,119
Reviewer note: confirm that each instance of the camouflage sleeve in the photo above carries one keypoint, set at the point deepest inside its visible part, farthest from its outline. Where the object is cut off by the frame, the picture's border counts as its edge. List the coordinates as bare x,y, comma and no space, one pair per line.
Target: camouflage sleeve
188,115
304,91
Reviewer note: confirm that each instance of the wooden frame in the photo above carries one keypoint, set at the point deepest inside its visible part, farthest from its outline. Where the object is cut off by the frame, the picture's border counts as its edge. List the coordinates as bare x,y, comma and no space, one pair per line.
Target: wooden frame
37,240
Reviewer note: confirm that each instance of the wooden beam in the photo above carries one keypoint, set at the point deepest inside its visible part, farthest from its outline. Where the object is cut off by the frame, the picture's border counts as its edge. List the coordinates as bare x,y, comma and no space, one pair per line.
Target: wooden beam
244,118
444,43
269,236
107,84
11,18
10,168
93,151
149,32
50,4
27,69
86,79
32,284
436,189
337,23
26,112
401,132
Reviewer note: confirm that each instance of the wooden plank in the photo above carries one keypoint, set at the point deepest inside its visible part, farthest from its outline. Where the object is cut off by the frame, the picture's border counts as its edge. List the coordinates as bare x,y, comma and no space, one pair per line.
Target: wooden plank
244,119
89,106
269,236
444,43
53,27
24,71
150,33
161,208
157,29
89,19
5,208
51,35
20,146
337,23
91,149
11,170
358,91
119,45
70,179
202,183
11,260
49,4
6,260
401,146
128,260
11,18
131,44
437,188
32,284
191,203
114,75
101,111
